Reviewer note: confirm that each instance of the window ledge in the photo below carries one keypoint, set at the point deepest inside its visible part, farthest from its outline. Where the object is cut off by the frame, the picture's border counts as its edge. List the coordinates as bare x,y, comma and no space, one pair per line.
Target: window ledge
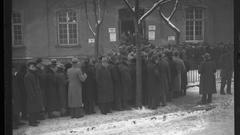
194,41
68,46
18,46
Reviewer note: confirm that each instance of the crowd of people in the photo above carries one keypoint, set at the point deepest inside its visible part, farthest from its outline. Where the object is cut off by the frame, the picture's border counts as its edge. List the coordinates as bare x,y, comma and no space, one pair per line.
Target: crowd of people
109,82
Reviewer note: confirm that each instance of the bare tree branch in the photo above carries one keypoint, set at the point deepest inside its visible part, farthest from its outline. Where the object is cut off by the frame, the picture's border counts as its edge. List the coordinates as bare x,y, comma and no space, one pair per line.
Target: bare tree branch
129,6
174,10
155,5
86,12
104,10
95,11
166,20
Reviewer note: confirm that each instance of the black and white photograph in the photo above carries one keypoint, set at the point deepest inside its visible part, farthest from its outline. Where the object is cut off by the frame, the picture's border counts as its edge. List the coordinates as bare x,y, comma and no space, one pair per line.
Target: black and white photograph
122,67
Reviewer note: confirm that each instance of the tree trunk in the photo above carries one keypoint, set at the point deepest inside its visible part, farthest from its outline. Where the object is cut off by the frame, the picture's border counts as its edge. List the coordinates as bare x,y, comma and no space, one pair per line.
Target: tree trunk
138,59
97,41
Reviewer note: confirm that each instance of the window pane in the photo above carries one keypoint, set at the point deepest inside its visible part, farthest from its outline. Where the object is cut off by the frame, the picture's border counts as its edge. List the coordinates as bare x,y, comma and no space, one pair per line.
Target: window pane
72,33
189,30
189,13
198,13
17,34
63,33
16,17
72,16
62,16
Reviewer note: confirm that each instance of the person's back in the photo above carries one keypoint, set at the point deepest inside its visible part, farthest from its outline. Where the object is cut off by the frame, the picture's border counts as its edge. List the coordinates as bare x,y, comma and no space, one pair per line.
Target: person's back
226,66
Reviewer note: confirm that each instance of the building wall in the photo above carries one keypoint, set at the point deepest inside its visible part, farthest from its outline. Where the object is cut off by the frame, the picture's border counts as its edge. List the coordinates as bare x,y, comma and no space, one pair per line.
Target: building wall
40,25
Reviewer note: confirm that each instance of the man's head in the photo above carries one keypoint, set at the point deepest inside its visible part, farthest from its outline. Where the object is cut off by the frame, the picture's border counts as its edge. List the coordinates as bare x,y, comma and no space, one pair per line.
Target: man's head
104,61
31,66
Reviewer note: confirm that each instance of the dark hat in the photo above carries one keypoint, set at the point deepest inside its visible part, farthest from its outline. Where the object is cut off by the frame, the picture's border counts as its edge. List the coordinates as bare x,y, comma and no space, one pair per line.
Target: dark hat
31,63
39,60
53,61
74,60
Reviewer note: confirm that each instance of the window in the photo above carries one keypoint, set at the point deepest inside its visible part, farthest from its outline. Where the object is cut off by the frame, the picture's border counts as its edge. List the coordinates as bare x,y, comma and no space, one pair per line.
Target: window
67,27
194,24
17,34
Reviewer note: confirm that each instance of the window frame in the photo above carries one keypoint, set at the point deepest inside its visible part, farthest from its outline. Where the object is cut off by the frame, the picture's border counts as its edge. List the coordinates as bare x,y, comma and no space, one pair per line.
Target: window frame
22,28
194,24
67,23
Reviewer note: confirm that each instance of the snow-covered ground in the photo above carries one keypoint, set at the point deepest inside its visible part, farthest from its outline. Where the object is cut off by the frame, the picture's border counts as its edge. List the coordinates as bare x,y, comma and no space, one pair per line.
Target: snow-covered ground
180,117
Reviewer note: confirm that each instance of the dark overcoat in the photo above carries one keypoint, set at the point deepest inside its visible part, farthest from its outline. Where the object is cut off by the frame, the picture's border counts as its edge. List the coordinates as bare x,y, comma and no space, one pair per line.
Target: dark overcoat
61,82
164,74
177,81
104,84
41,74
118,92
207,71
132,67
226,65
153,85
144,82
126,81
34,99
16,96
52,94
20,84
89,85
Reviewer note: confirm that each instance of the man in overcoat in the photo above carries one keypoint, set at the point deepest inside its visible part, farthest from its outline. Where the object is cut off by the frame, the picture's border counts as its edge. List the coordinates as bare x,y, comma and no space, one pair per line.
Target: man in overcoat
20,84
75,79
118,92
226,66
33,90
104,86
207,70
89,86
16,100
180,70
165,77
153,85
126,83
52,94
61,82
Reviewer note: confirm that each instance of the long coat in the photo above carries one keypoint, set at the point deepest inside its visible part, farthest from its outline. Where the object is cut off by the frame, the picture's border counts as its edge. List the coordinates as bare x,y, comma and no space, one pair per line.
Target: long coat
207,77
153,85
34,99
144,82
226,65
20,84
41,74
89,85
132,67
61,81
180,70
16,96
104,84
184,74
116,79
75,79
126,82
51,93
165,76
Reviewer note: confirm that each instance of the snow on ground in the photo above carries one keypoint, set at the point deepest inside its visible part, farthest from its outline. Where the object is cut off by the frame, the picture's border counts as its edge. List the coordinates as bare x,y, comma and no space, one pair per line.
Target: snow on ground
180,117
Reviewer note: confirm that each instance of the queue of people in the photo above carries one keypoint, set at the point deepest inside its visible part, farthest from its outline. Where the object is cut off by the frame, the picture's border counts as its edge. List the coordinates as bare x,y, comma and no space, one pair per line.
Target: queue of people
76,88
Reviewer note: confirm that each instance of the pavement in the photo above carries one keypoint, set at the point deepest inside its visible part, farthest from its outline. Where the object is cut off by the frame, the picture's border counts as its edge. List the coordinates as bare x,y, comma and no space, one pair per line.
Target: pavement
183,116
